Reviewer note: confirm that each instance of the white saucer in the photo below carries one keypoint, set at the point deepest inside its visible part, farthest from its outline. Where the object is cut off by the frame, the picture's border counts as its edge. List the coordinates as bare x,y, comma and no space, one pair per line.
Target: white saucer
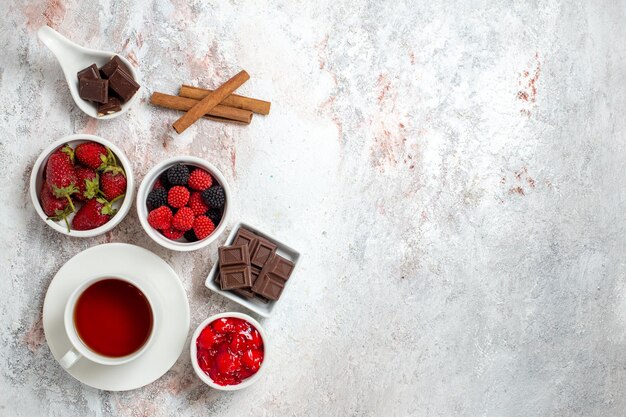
151,271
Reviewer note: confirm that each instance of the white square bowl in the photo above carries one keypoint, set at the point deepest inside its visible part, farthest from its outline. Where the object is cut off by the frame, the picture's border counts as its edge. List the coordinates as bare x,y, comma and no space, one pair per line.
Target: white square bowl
257,306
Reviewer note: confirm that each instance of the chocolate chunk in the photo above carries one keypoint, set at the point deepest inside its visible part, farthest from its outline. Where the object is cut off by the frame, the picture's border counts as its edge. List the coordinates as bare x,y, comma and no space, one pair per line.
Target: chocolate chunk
247,292
90,73
111,106
93,90
262,252
115,63
233,255
235,277
269,286
123,84
281,268
246,237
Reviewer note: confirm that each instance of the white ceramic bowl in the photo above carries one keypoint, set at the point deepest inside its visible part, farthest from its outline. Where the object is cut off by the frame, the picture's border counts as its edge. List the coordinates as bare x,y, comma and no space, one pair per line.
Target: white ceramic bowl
36,179
146,187
207,379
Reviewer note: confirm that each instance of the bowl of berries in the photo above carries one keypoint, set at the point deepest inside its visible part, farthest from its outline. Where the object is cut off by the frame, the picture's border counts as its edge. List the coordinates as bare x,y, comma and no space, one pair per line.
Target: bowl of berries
183,203
82,185
229,351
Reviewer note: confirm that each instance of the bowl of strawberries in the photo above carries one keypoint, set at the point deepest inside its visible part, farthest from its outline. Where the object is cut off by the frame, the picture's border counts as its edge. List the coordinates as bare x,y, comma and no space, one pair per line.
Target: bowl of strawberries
82,185
183,203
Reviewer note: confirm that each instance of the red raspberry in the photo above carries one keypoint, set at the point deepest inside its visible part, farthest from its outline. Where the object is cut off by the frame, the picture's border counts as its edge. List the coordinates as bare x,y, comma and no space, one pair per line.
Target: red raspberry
178,196
158,184
203,227
160,218
197,204
200,180
172,234
183,219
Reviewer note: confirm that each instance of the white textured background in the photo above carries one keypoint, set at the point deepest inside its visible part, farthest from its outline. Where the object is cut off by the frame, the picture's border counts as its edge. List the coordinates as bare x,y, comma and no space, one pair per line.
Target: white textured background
453,176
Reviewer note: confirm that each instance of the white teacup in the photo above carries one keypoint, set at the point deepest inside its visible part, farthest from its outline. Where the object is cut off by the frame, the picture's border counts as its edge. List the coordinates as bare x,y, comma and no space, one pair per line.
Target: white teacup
80,350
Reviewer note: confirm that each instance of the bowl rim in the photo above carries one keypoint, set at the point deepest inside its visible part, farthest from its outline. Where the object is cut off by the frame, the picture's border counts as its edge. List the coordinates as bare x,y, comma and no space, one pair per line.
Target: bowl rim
146,185
126,203
204,377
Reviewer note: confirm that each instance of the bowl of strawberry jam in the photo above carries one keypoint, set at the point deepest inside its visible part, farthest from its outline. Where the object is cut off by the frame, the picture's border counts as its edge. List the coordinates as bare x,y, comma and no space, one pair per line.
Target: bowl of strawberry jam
229,351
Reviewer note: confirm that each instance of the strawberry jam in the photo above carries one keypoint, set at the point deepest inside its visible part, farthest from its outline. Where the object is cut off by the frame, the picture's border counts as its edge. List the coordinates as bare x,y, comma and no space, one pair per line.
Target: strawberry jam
229,350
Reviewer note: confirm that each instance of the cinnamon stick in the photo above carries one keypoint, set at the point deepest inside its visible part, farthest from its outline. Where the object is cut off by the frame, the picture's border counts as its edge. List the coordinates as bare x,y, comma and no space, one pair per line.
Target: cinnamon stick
210,101
219,112
233,100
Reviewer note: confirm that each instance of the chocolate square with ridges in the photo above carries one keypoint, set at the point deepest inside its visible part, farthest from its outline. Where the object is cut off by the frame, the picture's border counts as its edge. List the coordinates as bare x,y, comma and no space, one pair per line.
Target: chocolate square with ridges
282,268
90,73
233,255
246,237
263,251
235,277
268,286
123,84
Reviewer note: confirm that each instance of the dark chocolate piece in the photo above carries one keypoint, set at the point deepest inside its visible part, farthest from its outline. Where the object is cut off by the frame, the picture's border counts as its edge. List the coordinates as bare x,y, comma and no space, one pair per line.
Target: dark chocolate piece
246,237
90,73
268,286
247,292
262,252
281,268
115,62
123,84
111,106
235,277
93,90
233,255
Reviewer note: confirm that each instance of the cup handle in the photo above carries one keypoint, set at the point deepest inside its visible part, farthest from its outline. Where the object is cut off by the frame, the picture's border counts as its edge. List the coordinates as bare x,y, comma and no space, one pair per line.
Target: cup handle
70,358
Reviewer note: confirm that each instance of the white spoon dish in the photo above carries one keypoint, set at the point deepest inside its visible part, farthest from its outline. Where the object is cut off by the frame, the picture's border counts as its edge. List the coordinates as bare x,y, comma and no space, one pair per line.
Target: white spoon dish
73,58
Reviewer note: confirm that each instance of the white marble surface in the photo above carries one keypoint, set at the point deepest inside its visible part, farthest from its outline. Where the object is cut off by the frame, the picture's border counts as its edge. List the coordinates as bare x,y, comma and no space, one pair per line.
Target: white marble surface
453,175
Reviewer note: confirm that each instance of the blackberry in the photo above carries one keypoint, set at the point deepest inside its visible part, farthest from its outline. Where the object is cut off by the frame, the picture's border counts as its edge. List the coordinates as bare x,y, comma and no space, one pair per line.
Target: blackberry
178,174
156,198
214,196
164,181
190,235
215,215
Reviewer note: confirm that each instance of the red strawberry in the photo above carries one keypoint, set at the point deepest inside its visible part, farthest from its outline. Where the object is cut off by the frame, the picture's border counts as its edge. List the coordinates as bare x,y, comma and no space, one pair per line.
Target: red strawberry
94,155
94,213
172,234
112,182
87,183
200,180
203,227
178,196
197,204
60,174
183,219
55,208
160,218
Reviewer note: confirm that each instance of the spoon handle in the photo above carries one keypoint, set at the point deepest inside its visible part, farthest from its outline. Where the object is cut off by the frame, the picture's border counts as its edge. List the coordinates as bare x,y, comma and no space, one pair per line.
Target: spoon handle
62,48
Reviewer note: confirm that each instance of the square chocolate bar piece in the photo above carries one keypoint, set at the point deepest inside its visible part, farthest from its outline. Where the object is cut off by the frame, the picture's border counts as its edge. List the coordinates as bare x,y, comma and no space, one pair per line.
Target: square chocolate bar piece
263,252
115,63
93,90
235,277
233,255
246,237
91,73
123,84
